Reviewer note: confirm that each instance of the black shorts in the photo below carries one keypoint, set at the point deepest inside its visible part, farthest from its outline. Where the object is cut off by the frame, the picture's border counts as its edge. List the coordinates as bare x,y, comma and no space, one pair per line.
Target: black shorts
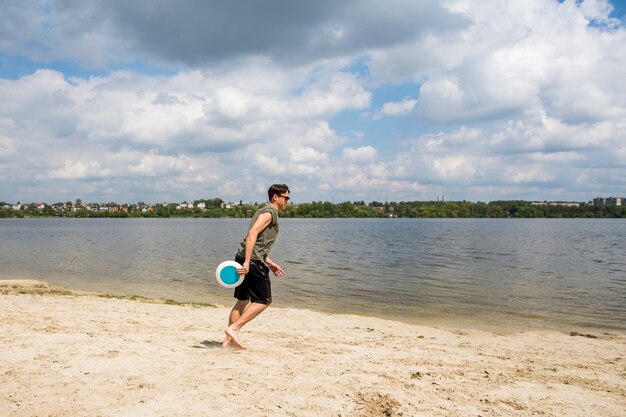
256,287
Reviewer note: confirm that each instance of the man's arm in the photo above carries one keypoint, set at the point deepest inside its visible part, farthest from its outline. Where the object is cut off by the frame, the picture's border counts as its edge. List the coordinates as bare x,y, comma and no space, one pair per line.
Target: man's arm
276,269
259,225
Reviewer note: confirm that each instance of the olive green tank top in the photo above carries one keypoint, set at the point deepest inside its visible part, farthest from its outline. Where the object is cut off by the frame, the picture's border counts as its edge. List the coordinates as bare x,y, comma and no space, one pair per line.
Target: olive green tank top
266,238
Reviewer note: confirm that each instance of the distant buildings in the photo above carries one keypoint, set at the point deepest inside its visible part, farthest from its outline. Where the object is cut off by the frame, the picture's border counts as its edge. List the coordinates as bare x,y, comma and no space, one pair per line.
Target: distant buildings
555,203
69,207
608,201
599,201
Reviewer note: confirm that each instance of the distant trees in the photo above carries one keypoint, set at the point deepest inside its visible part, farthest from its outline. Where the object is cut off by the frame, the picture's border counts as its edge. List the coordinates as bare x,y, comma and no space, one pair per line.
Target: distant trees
82,212
209,203
325,209
215,208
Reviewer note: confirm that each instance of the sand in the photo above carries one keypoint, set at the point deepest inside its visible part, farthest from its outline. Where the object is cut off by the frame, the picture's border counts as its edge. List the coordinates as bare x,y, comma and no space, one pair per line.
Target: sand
64,353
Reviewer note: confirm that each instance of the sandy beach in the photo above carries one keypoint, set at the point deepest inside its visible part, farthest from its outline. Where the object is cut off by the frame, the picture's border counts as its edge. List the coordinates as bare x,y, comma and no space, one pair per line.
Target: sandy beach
64,353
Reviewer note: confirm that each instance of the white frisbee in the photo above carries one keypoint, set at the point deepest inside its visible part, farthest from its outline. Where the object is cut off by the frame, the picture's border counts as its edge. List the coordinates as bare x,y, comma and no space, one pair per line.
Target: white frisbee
227,276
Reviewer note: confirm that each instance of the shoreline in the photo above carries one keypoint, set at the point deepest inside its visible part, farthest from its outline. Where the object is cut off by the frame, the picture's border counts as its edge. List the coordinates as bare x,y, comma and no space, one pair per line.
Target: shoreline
439,317
82,354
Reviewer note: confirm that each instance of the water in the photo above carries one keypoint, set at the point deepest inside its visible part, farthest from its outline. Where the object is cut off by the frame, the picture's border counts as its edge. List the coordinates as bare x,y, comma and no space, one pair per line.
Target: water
565,274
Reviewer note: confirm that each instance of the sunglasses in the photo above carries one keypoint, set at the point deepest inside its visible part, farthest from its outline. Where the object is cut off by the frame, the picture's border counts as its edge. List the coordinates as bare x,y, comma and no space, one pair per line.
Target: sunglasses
286,197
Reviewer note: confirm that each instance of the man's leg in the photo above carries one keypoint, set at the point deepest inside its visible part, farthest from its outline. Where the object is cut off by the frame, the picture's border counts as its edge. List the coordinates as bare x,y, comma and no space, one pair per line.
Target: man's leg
235,314
251,311
237,311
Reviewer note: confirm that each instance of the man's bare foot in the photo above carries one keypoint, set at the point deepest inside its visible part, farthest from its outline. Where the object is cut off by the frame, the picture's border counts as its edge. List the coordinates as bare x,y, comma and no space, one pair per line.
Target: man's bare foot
234,337
226,341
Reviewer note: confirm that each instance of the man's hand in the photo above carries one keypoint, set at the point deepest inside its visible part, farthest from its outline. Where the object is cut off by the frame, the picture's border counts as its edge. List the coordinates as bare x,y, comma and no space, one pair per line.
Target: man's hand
276,269
245,268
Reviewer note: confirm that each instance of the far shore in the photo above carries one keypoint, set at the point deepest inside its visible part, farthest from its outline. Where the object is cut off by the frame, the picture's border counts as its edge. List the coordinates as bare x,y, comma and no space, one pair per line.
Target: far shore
68,353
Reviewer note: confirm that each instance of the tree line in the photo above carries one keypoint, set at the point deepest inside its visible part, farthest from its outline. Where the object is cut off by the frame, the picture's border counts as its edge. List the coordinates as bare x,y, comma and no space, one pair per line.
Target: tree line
355,209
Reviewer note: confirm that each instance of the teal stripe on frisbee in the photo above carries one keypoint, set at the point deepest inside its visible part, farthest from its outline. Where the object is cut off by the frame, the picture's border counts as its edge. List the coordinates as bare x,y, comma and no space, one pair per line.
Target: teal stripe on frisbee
229,275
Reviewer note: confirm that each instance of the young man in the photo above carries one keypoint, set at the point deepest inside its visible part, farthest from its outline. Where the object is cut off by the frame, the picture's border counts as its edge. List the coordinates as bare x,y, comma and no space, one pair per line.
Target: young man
255,293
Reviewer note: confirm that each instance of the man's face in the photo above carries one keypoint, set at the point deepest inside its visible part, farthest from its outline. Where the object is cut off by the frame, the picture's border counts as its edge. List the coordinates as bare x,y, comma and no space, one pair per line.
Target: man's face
281,200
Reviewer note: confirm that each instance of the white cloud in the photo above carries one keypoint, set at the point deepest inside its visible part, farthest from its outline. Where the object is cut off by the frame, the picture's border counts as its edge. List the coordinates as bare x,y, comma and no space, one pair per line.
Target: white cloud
308,155
598,10
7,147
512,57
457,168
529,174
172,125
331,95
154,164
76,170
558,157
268,163
396,108
361,155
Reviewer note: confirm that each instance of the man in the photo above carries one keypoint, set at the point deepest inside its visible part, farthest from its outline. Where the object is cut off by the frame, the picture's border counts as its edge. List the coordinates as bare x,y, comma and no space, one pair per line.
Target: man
255,293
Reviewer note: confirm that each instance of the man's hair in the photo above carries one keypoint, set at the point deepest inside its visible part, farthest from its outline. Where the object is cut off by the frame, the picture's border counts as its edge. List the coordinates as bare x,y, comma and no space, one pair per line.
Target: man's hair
277,189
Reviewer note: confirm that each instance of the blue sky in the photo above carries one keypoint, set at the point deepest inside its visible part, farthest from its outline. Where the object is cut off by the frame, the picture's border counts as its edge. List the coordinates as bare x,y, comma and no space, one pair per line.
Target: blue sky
358,100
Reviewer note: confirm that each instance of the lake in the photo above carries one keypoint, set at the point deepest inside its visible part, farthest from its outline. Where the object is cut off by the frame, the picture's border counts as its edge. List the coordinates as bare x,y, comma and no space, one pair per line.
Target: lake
565,274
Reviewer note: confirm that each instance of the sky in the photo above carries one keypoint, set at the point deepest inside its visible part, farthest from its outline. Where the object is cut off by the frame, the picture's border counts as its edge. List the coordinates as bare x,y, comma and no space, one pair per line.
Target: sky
396,100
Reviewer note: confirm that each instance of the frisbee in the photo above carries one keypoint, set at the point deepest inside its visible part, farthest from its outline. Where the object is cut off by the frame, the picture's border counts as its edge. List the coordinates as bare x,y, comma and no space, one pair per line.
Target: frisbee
227,276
